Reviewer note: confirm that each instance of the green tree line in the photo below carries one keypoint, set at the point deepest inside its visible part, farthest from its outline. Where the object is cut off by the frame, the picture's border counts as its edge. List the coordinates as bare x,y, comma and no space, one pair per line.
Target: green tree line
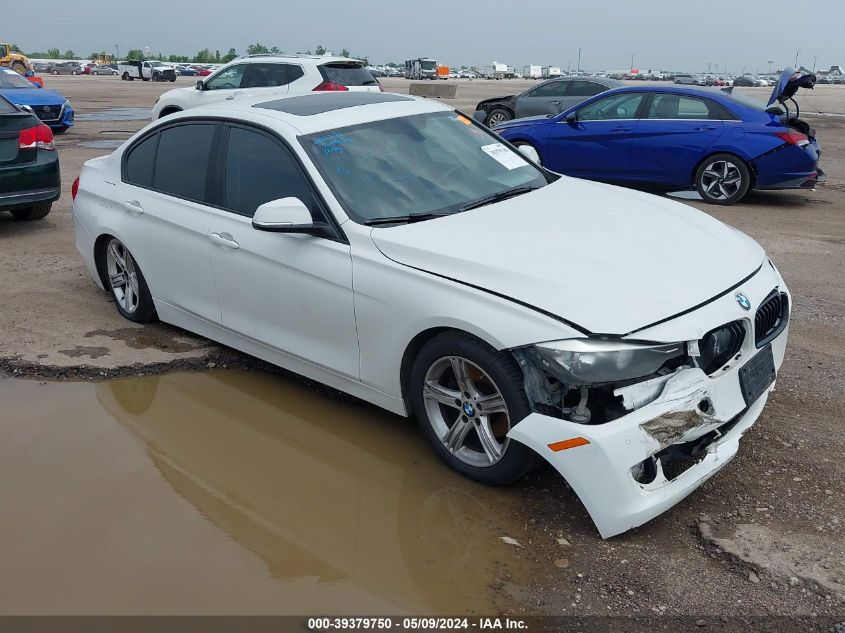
205,56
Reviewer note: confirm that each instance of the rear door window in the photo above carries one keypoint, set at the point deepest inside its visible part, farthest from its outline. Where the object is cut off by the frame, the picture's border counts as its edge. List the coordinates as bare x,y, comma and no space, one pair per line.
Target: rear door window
347,74
140,163
680,107
266,76
181,165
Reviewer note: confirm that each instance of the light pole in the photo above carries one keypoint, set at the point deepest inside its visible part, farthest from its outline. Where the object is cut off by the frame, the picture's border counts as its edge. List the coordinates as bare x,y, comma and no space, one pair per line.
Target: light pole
579,60
797,50
569,65
116,52
771,61
632,61
815,59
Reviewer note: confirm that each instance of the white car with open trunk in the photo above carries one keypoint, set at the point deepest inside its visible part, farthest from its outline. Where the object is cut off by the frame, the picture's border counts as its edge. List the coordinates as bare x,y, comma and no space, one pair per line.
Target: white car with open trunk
392,248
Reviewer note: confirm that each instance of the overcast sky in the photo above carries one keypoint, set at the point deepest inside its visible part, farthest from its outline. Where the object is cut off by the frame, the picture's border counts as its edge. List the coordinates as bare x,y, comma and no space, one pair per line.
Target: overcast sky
661,34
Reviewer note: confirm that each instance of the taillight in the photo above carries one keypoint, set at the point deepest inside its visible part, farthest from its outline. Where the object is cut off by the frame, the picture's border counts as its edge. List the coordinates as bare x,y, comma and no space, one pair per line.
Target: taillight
74,189
793,138
331,87
38,137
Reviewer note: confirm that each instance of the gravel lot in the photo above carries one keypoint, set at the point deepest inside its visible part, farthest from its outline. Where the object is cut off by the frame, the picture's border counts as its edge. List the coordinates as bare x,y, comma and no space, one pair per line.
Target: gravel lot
765,537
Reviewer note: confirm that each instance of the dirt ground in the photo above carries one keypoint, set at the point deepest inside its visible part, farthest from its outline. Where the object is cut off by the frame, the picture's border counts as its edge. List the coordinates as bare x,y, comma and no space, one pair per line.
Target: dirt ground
764,537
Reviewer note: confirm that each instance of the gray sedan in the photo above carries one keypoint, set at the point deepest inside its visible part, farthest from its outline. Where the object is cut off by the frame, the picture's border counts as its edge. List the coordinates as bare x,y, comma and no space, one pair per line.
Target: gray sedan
551,97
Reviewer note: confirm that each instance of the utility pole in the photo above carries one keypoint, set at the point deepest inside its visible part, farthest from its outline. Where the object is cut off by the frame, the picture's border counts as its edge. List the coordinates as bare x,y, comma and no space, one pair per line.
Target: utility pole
579,59
771,61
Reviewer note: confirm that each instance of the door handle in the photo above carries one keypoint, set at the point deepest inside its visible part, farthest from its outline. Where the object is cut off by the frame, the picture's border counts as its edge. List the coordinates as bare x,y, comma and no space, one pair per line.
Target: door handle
705,128
621,129
133,206
225,240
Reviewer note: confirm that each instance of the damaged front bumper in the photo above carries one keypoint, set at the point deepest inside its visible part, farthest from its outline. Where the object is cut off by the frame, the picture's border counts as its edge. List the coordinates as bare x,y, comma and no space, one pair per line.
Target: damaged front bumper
631,469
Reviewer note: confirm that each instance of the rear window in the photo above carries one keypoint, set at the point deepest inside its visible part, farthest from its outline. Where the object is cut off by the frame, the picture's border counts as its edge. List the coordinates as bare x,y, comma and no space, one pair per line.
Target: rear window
347,74
6,107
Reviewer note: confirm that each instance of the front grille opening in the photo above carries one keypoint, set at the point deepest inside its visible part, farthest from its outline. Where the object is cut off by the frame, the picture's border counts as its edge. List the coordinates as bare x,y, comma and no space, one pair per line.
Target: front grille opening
771,318
677,459
720,345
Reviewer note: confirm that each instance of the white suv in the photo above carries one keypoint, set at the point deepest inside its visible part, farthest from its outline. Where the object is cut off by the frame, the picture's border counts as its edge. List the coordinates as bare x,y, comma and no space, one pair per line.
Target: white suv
269,74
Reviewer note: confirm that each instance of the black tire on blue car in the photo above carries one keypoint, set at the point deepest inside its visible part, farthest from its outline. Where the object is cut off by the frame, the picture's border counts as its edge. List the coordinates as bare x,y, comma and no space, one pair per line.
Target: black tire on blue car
722,179
466,396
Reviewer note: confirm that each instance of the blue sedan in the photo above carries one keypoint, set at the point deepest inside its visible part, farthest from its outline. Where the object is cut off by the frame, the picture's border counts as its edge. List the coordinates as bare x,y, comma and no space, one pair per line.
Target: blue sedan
676,138
48,105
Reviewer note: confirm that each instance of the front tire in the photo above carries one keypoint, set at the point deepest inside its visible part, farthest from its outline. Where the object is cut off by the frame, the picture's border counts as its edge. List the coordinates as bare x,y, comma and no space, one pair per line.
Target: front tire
498,115
37,212
466,397
723,179
128,287
19,68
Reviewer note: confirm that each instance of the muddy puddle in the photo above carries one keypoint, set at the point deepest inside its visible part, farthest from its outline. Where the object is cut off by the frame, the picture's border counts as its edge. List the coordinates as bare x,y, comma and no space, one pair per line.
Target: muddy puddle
230,493
115,114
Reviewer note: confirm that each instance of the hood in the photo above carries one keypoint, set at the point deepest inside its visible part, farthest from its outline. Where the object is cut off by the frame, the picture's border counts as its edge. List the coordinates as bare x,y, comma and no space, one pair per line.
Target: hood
528,120
789,83
494,100
607,259
33,97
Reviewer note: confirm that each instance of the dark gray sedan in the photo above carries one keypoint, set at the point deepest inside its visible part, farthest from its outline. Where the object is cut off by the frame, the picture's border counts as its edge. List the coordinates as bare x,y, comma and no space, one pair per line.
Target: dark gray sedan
551,97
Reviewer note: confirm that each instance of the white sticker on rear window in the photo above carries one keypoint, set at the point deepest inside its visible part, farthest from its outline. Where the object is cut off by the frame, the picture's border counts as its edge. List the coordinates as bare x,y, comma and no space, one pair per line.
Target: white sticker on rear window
504,156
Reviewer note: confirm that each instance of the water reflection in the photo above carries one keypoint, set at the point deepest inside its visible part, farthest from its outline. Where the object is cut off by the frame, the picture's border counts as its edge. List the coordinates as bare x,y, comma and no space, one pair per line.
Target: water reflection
338,493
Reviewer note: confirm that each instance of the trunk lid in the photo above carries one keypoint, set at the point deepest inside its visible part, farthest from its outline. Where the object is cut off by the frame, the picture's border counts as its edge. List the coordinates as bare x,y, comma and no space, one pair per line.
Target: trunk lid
12,121
788,84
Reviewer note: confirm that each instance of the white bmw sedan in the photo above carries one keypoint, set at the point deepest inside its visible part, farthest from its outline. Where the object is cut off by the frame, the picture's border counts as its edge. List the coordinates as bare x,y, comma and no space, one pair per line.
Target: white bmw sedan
392,248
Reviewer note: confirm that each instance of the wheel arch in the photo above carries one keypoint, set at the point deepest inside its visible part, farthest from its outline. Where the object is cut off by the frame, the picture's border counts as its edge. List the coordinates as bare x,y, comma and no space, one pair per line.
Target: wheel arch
711,152
412,350
168,110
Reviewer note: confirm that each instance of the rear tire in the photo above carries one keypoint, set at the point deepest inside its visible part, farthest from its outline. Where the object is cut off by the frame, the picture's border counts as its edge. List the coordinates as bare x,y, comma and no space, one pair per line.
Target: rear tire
37,212
124,279
466,418
722,179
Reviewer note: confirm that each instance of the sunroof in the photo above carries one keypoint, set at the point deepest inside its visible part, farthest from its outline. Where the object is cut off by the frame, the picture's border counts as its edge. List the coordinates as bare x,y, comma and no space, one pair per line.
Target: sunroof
307,105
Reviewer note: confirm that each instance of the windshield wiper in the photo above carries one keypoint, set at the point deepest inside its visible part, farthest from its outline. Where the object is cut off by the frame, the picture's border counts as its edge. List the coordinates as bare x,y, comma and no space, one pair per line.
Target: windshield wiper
407,219
497,197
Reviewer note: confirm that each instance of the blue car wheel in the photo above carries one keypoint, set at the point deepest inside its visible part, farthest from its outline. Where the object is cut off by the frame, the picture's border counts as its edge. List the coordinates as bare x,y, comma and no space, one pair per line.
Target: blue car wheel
723,179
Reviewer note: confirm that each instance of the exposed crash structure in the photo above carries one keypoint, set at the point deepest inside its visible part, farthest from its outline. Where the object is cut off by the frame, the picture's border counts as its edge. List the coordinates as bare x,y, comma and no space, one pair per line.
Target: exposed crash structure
640,425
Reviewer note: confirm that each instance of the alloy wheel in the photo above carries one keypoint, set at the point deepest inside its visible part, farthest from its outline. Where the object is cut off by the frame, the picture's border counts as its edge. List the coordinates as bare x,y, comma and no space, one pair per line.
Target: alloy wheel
496,118
721,180
466,411
123,276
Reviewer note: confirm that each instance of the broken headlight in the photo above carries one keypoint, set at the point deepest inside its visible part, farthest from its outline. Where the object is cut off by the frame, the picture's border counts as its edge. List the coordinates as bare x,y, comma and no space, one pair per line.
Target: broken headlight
590,362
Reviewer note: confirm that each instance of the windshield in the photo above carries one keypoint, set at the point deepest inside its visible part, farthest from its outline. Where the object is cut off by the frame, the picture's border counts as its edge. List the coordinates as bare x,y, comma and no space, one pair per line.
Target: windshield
155,64
11,79
428,64
429,163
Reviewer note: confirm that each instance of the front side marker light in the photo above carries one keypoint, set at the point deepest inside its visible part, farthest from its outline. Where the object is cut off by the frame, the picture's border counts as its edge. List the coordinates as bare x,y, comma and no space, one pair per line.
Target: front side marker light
570,443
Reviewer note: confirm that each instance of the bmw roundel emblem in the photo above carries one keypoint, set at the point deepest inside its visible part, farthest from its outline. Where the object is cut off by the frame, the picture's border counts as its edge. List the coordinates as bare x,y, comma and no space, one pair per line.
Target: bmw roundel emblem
743,301
469,410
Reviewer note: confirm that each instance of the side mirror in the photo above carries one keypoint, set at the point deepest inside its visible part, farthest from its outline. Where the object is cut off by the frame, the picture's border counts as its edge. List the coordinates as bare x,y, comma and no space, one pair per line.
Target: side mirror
529,152
200,85
572,117
287,215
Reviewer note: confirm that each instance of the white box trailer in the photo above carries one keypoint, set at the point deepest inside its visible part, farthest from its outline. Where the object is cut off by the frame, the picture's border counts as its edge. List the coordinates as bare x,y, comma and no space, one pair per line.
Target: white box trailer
496,70
532,72
550,71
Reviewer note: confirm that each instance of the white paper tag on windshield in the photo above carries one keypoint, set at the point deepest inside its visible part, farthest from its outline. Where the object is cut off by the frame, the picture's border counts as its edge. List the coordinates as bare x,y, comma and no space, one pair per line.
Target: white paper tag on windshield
504,156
